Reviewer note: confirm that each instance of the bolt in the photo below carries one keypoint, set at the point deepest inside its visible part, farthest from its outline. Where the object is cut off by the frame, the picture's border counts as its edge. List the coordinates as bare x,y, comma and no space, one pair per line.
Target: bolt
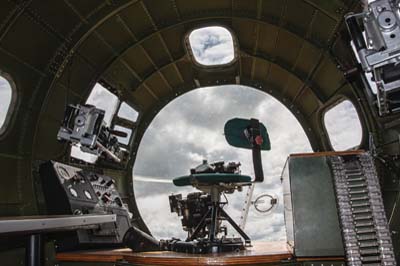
370,41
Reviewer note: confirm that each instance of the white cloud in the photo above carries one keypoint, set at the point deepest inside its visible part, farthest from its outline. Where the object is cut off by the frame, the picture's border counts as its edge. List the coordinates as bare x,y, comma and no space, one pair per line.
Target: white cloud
212,45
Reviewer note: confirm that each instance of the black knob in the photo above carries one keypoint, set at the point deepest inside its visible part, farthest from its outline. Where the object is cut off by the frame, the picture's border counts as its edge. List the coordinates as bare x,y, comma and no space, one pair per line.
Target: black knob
76,178
118,201
94,177
106,197
110,182
77,212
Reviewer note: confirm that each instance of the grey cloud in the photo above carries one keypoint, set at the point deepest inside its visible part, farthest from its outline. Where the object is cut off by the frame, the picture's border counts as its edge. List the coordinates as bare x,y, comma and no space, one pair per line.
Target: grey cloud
103,99
128,112
212,45
166,157
190,129
343,126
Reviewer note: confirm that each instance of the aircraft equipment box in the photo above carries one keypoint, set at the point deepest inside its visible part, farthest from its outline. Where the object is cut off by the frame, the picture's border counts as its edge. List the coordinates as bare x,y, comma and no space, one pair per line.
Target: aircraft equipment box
71,190
311,215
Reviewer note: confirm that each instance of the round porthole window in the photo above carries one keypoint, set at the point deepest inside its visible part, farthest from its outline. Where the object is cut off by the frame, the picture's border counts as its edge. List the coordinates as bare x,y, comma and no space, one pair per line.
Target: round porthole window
212,46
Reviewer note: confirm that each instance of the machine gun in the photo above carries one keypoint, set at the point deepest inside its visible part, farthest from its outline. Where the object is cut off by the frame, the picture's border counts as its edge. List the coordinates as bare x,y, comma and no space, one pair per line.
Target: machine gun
202,212
84,125
379,49
196,204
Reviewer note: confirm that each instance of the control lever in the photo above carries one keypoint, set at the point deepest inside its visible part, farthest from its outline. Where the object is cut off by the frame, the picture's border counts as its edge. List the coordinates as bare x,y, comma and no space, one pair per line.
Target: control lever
106,197
110,183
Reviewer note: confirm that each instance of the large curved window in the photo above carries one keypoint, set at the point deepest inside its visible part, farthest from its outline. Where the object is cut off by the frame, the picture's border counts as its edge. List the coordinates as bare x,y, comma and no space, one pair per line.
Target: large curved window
6,98
212,46
190,129
343,126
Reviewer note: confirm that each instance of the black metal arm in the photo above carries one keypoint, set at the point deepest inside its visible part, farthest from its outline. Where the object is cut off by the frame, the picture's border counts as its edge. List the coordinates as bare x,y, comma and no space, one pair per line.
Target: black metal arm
253,133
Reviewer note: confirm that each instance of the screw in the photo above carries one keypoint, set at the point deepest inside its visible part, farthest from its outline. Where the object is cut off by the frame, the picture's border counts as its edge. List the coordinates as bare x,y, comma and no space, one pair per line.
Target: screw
370,41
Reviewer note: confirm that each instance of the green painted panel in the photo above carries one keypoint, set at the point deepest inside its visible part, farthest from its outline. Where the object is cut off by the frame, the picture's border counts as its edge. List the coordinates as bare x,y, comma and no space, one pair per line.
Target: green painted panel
316,230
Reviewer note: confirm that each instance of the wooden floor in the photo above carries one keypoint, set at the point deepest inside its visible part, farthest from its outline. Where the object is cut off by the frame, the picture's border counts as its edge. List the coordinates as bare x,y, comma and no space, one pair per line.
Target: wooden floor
260,253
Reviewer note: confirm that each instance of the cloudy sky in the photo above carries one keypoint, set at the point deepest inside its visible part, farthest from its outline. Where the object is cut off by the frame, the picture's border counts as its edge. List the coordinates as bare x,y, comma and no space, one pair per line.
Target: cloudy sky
190,129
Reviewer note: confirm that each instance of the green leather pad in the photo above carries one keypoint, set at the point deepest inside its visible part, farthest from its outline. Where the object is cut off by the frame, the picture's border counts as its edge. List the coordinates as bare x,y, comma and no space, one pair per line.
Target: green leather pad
234,134
211,178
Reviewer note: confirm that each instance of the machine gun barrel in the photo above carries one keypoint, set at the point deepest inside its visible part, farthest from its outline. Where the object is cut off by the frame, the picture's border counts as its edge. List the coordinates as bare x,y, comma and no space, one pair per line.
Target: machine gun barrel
109,153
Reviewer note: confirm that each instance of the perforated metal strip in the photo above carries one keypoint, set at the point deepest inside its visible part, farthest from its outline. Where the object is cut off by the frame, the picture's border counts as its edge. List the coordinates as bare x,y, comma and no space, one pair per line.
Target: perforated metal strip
363,221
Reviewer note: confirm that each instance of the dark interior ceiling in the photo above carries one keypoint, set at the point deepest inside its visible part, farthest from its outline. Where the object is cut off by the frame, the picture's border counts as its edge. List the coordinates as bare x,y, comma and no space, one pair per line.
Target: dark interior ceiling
56,51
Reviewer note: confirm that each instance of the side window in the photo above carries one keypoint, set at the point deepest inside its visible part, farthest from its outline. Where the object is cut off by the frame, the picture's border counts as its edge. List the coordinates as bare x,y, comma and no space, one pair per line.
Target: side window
127,112
7,98
343,126
102,99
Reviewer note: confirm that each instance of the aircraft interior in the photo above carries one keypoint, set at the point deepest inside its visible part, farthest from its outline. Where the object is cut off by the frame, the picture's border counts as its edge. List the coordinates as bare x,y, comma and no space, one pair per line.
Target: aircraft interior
67,188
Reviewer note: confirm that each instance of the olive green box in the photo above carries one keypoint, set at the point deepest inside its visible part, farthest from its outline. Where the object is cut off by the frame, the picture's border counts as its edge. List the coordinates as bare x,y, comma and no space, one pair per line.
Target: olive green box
311,215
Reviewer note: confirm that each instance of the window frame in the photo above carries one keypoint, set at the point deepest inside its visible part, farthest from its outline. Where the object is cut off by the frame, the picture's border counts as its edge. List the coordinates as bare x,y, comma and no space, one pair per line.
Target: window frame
10,115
